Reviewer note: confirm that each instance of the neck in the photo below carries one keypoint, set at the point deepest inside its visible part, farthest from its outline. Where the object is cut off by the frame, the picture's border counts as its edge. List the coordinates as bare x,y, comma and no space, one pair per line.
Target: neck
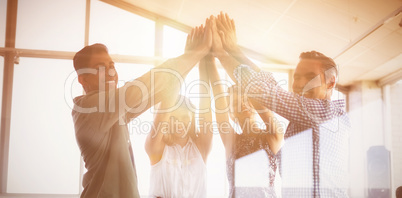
328,94
88,89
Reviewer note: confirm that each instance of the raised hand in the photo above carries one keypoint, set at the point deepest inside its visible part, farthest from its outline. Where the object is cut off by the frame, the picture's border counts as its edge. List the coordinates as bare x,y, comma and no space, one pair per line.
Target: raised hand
200,38
193,38
227,32
207,36
217,47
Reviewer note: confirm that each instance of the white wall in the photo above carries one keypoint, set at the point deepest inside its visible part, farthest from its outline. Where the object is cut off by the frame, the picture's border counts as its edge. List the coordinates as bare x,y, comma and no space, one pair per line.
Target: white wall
366,116
396,131
375,113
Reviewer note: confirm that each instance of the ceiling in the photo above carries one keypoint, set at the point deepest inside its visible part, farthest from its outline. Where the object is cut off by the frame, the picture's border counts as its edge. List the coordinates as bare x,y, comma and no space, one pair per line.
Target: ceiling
353,32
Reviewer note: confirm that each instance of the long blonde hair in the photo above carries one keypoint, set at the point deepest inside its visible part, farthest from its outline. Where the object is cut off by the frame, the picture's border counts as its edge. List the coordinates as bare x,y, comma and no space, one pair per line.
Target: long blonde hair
169,138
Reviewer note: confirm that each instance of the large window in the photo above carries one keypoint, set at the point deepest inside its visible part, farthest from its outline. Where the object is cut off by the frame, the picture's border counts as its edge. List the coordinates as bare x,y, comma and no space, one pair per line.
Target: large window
122,32
50,25
44,157
173,42
3,9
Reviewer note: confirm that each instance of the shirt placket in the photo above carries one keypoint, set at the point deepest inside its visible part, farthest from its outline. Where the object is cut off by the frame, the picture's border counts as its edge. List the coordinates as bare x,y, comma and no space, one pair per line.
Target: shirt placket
316,162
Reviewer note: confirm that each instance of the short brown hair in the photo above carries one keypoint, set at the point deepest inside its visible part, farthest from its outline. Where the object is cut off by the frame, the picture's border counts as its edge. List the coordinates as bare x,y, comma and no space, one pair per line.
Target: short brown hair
328,64
82,57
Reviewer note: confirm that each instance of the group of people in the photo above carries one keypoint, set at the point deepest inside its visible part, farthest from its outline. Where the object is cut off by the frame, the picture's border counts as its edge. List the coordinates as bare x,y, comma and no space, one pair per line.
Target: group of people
178,148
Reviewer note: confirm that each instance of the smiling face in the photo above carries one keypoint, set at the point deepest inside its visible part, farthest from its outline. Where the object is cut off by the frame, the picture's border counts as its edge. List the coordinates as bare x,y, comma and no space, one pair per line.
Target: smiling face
309,79
101,75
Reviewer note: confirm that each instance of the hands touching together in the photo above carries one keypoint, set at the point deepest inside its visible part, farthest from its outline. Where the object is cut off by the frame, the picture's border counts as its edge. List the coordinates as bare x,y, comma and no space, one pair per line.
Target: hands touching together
218,37
200,38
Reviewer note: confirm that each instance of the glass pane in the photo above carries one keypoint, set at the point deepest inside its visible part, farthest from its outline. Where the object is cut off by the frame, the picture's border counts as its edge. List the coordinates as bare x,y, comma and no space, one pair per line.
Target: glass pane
252,173
121,31
3,13
51,25
297,150
174,42
44,156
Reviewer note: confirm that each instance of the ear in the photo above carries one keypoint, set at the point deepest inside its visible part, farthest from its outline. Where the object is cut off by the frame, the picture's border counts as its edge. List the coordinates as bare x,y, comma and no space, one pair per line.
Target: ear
331,83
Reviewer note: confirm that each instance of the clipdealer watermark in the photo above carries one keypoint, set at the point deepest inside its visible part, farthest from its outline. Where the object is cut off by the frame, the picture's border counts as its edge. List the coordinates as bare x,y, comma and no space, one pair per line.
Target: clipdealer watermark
115,100
139,127
107,102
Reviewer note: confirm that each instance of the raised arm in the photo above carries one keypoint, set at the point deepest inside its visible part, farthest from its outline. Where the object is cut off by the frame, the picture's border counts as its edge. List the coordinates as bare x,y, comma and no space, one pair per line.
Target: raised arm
221,99
140,94
154,144
173,72
227,61
227,32
204,140
274,136
196,42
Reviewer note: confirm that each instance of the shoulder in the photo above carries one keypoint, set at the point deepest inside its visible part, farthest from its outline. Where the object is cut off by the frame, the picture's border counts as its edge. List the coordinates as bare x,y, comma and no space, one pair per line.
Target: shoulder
85,98
86,103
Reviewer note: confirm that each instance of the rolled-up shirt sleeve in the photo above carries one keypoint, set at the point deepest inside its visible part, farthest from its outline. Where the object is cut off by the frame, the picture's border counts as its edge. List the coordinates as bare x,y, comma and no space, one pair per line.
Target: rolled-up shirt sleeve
262,87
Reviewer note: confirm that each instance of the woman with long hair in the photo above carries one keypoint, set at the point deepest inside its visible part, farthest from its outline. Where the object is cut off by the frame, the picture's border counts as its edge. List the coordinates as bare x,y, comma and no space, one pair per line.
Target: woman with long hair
177,149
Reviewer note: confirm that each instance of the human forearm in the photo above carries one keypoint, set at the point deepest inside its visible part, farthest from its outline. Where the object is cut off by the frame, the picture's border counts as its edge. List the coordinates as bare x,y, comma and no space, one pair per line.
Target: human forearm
238,54
204,140
154,142
228,63
168,75
275,142
205,97
221,109
220,96
188,60
274,134
205,116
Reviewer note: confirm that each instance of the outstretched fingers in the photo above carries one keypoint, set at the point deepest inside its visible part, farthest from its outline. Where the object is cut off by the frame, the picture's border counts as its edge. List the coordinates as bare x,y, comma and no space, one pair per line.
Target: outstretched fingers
233,26
189,41
208,32
227,31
